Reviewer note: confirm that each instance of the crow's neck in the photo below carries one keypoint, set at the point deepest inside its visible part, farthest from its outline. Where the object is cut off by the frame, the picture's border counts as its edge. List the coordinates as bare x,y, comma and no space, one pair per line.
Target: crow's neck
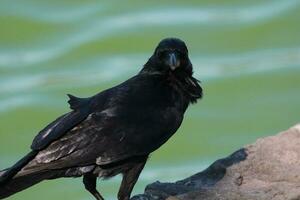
182,81
187,86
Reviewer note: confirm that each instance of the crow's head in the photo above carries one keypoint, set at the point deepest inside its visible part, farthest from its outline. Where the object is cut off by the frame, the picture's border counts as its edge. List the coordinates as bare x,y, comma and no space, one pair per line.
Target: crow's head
171,58
171,54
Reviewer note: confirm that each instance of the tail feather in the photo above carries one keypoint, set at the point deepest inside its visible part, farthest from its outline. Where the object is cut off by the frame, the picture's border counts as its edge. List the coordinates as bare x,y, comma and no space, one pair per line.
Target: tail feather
19,183
8,174
10,182
17,178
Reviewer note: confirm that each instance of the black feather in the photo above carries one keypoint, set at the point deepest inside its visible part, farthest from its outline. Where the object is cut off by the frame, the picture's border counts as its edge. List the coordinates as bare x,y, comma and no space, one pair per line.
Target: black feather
12,171
77,103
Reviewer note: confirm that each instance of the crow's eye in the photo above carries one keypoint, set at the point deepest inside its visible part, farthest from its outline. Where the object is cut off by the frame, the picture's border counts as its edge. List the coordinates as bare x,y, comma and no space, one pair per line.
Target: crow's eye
180,54
161,54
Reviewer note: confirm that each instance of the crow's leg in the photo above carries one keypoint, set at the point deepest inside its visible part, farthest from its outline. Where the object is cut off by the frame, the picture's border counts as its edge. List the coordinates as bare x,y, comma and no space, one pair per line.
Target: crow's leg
89,182
130,177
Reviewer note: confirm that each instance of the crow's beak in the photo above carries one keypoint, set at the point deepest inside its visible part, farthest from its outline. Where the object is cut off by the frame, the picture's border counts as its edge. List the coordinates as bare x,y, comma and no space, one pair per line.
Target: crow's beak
173,62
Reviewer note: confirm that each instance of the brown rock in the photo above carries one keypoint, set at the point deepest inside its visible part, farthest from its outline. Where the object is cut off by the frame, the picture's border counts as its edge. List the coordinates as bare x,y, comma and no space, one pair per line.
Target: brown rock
269,169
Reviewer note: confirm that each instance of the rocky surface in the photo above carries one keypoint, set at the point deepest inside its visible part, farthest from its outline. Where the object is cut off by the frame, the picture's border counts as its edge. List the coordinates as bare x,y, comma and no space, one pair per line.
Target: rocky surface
268,169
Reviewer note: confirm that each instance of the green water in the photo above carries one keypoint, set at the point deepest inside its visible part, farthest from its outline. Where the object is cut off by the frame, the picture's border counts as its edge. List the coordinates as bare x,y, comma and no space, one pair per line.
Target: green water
246,53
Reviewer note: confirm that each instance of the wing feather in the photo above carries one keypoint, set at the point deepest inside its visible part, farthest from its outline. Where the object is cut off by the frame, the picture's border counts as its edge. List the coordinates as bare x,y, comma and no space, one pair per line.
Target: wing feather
56,129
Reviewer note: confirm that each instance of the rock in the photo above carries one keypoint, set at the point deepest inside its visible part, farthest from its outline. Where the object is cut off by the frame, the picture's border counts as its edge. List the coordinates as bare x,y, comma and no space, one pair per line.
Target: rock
269,169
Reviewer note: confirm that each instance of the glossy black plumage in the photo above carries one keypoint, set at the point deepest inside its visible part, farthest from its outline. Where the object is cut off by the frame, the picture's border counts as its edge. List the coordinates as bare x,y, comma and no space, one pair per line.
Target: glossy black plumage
114,131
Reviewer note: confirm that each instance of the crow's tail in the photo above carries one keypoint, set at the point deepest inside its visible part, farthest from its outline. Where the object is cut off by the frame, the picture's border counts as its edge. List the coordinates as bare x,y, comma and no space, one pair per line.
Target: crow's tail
9,173
11,182
19,183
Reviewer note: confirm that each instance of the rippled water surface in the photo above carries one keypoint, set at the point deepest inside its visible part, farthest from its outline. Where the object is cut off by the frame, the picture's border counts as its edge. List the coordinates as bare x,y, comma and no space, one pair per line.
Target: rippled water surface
246,53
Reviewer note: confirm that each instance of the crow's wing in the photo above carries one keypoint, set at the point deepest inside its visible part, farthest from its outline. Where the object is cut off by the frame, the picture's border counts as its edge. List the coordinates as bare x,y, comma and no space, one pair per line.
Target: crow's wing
128,125
103,138
56,129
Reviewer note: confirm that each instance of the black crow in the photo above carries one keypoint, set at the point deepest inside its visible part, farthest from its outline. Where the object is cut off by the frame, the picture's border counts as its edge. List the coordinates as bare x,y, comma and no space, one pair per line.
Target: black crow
114,131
